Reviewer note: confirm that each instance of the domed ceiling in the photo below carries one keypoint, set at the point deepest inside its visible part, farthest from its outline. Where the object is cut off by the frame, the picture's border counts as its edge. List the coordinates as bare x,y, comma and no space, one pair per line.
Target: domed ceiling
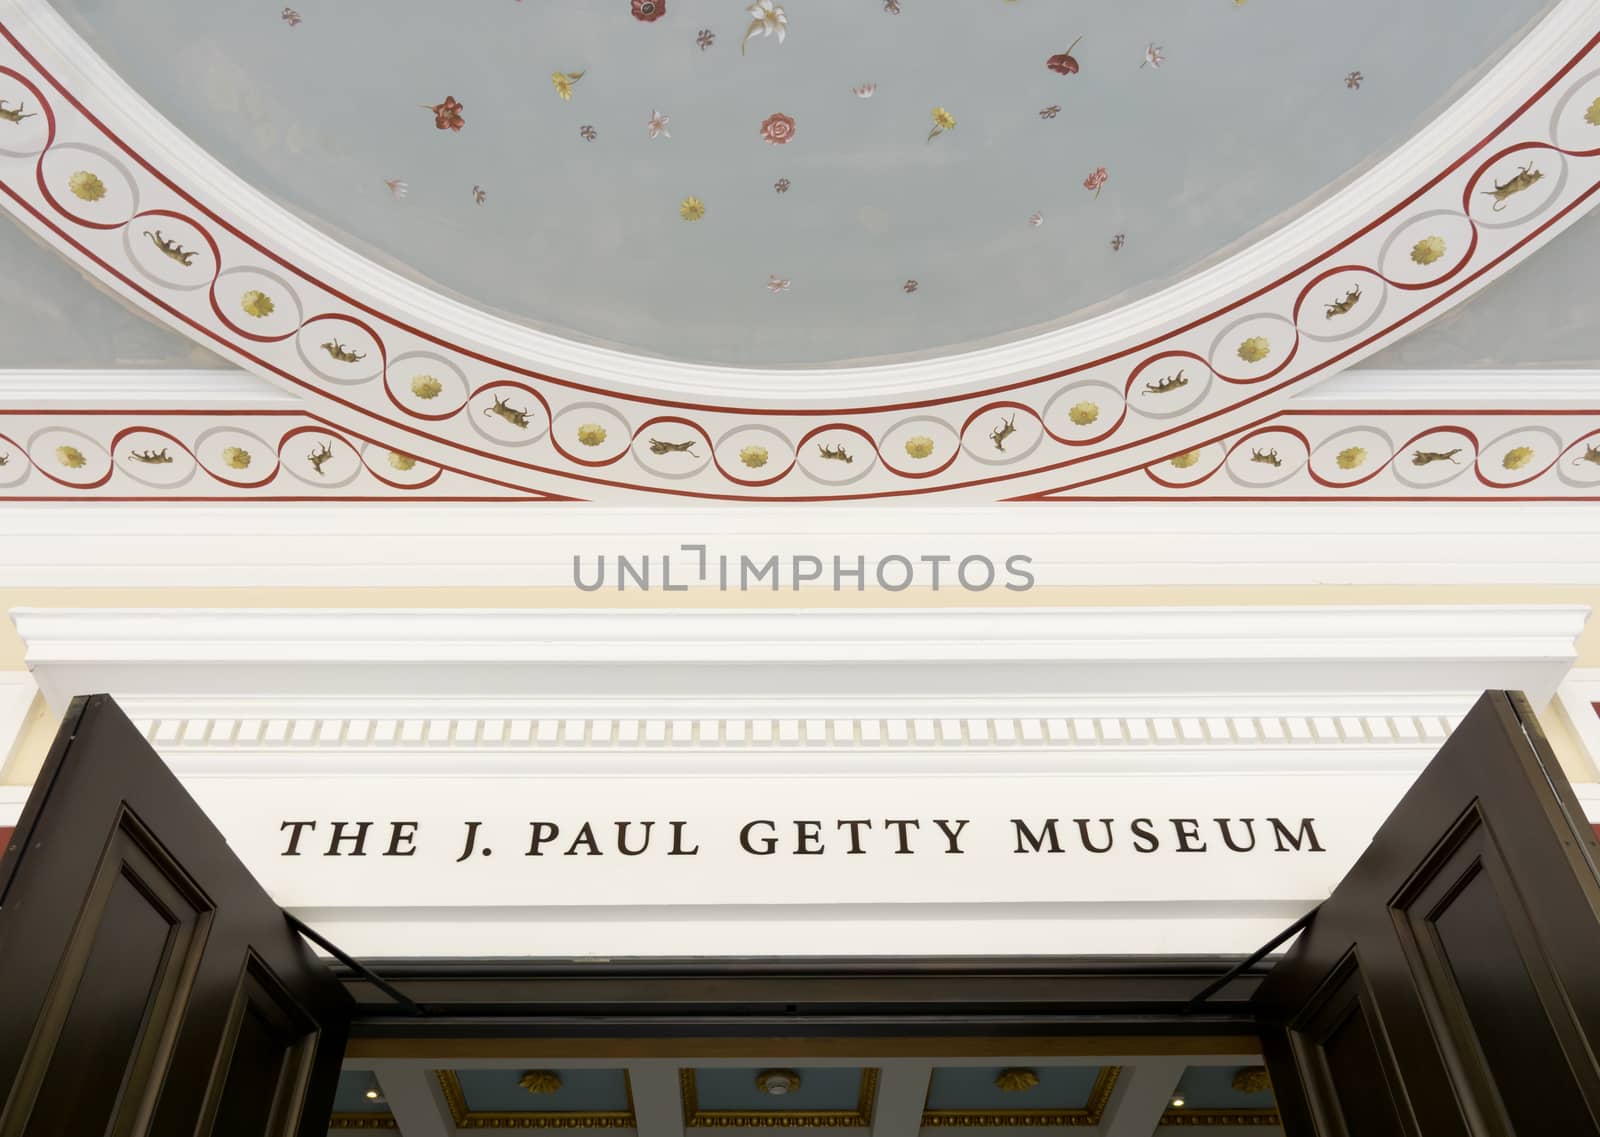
657,250
771,185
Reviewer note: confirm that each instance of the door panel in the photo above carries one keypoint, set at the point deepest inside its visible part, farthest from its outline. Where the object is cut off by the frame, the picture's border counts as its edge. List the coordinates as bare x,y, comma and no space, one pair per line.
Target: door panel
1449,984
150,985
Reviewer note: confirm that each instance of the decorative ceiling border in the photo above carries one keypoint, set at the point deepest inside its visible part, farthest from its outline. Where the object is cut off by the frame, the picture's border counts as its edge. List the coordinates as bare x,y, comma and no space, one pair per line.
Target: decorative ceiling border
1403,243
1089,1113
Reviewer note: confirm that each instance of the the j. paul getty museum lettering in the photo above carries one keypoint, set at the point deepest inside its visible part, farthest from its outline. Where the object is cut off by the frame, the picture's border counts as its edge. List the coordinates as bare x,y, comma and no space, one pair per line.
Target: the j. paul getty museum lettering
804,837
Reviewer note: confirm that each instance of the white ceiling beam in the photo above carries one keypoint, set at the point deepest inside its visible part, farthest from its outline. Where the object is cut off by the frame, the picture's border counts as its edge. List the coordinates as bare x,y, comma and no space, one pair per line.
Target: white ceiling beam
657,1100
902,1096
414,1099
1142,1094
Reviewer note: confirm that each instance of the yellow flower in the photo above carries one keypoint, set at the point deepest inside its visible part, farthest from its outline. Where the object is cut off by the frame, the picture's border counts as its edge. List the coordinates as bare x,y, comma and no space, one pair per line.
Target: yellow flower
919,446
591,435
562,81
1186,459
401,462
85,185
257,304
1592,115
943,119
692,208
1350,457
425,386
754,456
1517,458
71,457
1427,250
1254,349
1084,413
236,457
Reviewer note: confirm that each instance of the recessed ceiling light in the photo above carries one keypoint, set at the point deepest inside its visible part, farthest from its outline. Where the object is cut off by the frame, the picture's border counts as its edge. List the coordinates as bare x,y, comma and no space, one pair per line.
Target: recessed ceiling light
372,1095
777,1082
1177,1103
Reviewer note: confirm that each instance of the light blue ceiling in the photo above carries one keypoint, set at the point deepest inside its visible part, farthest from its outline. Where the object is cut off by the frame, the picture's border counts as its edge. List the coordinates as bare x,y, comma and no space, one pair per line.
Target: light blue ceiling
1247,119
351,1095
582,1091
1211,1087
721,1089
1540,314
52,316
973,1087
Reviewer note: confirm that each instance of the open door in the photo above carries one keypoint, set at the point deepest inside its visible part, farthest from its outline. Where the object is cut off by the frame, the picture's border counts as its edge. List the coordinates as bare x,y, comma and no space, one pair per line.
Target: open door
147,983
1451,983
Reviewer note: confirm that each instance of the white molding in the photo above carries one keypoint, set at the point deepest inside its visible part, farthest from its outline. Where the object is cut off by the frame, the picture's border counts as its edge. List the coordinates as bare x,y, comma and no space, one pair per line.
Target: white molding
17,689
1523,68
1589,797
232,389
404,544
12,799
1578,694
1358,389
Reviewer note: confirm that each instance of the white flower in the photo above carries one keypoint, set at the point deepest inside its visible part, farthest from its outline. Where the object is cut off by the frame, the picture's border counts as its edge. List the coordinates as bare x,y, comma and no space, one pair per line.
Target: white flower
865,91
1153,56
396,186
766,18
777,284
658,125
1036,220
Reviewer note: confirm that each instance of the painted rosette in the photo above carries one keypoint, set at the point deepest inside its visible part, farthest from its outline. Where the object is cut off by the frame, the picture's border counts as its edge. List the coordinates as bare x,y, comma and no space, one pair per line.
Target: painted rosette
320,459
89,185
237,457
1351,456
31,133
1575,122
919,446
591,433
258,304
1519,456
340,350
426,384
672,448
508,415
1426,248
754,454
1085,412
1517,187
1189,467
398,467
1580,463
1167,386
154,458
1253,347
1341,306
837,456
1002,434
169,250
69,456
1435,459
1266,458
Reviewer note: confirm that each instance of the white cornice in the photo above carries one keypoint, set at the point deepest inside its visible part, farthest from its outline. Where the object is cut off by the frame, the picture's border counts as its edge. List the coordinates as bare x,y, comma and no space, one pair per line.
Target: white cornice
799,663
1188,544
1494,389
225,390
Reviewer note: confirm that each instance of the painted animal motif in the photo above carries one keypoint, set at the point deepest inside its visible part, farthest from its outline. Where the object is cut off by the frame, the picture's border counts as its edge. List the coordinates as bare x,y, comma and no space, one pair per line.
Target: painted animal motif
342,353
1270,457
171,248
1340,307
1423,457
835,453
1591,453
5,458
1523,179
14,114
1002,432
1170,383
505,410
657,447
320,456
151,457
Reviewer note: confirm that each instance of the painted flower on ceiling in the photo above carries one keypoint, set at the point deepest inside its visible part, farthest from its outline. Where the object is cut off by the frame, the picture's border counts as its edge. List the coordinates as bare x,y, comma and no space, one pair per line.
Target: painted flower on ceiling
1064,63
766,19
657,126
691,208
1050,111
71,457
587,133
397,186
1517,457
909,287
1592,115
1153,56
289,16
1351,457
865,91
919,446
562,81
256,303
776,283
781,185
1117,241
1353,80
447,115
1097,180
649,10
705,38
86,186
1036,219
943,120
1428,250
479,194
1255,349
777,129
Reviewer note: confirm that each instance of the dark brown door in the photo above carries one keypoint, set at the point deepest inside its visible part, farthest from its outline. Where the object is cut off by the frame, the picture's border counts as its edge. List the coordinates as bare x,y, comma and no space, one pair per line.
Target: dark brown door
1451,983
147,984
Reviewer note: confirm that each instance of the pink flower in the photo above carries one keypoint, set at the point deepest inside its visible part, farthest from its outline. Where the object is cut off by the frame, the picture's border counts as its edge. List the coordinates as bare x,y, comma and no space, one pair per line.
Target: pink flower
649,10
447,115
778,129
1095,180
1064,64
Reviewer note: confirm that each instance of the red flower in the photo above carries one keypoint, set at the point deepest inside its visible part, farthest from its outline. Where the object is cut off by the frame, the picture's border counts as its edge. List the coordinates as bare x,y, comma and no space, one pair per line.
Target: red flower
447,115
778,129
649,10
1064,64
1097,179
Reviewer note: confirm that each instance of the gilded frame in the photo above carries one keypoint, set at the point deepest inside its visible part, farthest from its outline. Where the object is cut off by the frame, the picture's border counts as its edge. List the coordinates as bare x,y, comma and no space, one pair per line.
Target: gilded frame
1221,1117
465,1118
363,1121
1090,1114
859,1118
